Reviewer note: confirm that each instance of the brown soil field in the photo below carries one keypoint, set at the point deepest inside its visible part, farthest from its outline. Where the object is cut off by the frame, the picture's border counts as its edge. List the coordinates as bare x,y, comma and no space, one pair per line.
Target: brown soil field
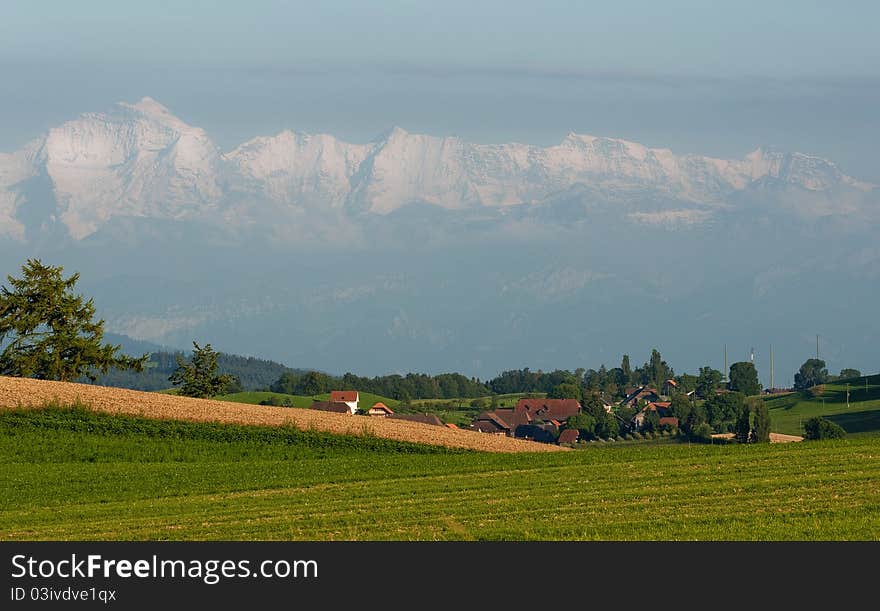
774,437
23,392
781,438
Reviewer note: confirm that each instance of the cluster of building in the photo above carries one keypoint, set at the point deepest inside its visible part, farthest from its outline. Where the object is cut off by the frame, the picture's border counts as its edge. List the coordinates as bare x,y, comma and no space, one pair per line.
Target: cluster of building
531,418
538,419
545,419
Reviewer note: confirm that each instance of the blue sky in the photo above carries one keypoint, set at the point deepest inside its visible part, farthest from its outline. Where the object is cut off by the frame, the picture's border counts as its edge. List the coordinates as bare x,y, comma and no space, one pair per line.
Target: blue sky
703,77
745,38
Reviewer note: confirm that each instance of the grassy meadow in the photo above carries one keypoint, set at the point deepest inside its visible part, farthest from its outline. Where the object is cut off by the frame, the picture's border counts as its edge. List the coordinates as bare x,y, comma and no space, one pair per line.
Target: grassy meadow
254,397
861,418
367,400
74,474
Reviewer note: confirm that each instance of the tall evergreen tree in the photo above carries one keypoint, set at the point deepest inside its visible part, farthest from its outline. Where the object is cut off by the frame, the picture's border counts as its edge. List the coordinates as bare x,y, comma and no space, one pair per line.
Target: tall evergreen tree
657,370
49,331
627,369
761,426
742,428
199,377
708,380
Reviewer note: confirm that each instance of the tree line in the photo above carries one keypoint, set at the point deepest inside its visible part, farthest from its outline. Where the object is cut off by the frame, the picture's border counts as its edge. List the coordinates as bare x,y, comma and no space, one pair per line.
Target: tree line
48,331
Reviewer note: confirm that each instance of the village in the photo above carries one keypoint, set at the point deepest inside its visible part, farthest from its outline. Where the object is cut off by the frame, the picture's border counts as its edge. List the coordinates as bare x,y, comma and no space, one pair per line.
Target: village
548,420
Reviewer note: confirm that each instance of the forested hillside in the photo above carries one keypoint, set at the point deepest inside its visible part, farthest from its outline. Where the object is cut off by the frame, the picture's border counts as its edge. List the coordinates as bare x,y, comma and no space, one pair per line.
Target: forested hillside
252,373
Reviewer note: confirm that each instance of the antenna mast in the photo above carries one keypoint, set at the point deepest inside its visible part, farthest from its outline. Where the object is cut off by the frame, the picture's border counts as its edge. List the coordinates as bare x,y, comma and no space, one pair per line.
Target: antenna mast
771,367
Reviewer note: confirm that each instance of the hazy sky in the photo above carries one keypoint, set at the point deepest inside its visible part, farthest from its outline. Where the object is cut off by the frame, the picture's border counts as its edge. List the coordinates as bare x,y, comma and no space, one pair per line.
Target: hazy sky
701,77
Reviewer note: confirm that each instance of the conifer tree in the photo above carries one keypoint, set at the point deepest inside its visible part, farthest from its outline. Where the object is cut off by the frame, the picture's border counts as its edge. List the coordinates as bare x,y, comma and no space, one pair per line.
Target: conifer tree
48,332
199,377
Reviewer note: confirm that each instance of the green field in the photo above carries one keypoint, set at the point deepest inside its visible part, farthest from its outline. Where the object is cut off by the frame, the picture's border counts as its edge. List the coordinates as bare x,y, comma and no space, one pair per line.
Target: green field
459,402
73,474
861,418
255,396
366,400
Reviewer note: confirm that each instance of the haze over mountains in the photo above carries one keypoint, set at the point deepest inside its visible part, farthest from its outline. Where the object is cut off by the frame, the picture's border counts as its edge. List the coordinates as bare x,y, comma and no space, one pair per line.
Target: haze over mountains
422,253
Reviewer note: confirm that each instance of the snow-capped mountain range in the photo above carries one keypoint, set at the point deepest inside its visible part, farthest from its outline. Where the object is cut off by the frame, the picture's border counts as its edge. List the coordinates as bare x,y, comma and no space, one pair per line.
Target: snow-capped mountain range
140,161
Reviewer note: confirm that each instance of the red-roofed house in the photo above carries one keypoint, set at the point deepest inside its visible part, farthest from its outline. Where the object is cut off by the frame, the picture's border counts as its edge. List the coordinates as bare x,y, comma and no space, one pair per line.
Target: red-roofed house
501,421
548,409
670,420
521,420
662,410
349,397
380,409
568,436
643,393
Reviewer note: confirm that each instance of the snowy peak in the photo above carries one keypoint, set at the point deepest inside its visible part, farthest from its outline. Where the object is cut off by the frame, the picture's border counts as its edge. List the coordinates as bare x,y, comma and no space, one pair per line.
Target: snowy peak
149,106
134,160
296,169
140,160
806,171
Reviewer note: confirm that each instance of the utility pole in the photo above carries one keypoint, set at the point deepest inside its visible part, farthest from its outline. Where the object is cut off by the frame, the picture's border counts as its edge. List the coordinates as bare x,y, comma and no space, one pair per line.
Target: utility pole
725,363
817,347
847,395
771,367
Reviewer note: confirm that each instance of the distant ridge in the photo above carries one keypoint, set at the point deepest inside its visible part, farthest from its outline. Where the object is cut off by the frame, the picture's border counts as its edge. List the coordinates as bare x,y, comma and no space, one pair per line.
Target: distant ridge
140,161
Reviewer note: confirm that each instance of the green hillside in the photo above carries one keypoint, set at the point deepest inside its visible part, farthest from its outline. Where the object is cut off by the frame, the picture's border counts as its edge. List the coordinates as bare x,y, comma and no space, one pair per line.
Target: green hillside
256,396
251,372
862,417
366,400
75,474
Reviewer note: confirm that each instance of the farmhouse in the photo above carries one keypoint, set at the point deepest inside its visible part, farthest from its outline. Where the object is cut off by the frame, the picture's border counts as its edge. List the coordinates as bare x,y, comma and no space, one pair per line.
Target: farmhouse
568,436
641,393
349,397
531,418
662,408
500,422
380,410
548,409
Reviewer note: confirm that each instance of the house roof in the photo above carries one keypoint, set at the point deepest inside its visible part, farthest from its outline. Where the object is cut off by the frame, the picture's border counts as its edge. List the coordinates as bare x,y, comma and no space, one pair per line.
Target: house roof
672,382
331,406
423,418
569,436
655,405
640,393
345,396
381,406
502,418
450,425
488,426
671,420
548,409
